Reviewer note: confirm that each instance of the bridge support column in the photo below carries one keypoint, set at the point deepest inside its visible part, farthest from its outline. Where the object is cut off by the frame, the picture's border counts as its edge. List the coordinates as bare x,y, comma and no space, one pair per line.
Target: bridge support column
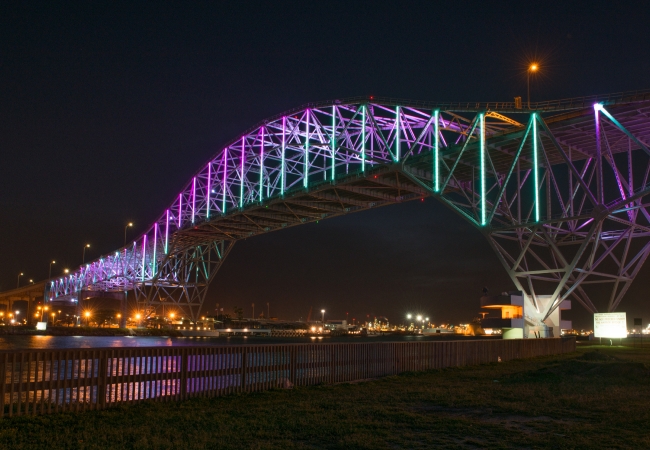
183,279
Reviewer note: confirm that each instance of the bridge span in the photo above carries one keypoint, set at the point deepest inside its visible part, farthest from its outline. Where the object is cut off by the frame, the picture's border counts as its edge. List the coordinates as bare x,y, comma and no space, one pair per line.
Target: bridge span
558,190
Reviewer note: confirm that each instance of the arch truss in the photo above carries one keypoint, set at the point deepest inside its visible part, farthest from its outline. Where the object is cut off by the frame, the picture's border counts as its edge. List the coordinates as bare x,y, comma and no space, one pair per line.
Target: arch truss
560,191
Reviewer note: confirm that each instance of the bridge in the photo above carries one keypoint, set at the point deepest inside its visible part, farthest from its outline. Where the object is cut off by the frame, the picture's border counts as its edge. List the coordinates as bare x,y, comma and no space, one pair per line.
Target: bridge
558,190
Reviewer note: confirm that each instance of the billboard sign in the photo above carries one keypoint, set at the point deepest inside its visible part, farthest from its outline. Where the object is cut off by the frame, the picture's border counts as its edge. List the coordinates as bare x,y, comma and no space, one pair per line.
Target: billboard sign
610,325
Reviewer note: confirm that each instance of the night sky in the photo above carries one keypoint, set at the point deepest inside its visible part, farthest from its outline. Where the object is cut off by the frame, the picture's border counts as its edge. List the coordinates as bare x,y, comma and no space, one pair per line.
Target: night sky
107,110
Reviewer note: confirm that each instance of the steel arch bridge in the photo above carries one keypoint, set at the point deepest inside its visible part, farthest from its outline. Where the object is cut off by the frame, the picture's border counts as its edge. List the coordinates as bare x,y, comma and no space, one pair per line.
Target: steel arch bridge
559,190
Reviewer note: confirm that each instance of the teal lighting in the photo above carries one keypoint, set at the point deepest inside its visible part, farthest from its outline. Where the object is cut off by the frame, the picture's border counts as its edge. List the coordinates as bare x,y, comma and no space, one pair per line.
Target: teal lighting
397,135
241,183
536,171
333,142
363,139
284,144
482,138
305,179
155,244
436,143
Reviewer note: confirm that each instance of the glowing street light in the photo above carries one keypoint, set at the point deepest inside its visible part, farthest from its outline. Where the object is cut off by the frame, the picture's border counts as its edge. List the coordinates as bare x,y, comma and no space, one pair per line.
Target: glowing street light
532,69
130,224
83,259
408,316
50,272
18,282
87,315
66,271
322,311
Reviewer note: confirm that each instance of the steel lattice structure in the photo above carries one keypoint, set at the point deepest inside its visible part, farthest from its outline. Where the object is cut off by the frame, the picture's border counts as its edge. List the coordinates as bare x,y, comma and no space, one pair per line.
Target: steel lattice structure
559,191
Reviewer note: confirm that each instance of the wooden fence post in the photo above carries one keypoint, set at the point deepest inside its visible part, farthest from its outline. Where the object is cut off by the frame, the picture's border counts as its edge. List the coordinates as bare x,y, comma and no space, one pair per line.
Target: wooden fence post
101,379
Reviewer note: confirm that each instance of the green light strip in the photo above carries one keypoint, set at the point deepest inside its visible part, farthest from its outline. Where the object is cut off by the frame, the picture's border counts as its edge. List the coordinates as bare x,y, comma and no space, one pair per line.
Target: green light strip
482,131
333,142
363,140
536,174
155,244
436,168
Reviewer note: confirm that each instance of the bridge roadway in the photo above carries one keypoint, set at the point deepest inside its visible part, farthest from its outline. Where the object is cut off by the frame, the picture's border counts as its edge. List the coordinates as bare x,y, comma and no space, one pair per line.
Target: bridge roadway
559,190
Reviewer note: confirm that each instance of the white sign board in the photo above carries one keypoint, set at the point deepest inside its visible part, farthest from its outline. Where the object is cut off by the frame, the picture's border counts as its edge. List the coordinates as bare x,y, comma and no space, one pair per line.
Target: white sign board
610,325
41,325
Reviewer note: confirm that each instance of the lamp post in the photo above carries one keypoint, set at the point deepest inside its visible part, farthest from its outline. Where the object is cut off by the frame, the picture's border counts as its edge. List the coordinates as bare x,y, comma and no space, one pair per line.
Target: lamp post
87,314
322,312
83,259
18,281
66,271
130,224
50,272
532,69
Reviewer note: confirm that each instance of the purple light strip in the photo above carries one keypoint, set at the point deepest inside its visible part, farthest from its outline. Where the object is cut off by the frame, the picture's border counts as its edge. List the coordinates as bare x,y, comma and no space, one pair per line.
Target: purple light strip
225,174
180,201
241,185
193,196
262,165
207,208
144,253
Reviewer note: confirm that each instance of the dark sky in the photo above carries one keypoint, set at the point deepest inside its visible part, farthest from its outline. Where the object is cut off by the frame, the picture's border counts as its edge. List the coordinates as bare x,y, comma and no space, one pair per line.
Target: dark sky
107,110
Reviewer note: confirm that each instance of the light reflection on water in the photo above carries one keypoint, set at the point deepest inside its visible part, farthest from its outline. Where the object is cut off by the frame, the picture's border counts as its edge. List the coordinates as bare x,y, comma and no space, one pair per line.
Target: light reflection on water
20,342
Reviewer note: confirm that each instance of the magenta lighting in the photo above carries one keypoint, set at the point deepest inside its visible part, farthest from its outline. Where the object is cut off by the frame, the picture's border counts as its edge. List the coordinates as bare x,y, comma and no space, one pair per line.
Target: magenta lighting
519,183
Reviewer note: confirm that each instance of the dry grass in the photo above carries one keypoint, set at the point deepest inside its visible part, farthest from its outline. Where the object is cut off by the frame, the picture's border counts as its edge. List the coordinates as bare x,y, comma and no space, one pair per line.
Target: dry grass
597,397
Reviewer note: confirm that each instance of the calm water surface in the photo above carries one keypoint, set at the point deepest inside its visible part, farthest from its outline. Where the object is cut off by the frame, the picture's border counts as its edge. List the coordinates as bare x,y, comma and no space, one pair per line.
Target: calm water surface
30,342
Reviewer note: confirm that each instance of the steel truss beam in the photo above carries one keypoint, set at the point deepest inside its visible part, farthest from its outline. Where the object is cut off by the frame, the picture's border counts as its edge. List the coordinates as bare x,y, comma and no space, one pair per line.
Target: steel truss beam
560,199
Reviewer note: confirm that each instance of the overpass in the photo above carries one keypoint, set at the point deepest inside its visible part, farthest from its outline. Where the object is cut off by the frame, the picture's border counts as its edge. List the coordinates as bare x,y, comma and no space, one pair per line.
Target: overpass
30,293
558,190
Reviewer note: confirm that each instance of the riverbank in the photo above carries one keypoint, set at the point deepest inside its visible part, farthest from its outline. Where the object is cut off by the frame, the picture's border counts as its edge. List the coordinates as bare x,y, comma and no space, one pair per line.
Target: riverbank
87,331
596,397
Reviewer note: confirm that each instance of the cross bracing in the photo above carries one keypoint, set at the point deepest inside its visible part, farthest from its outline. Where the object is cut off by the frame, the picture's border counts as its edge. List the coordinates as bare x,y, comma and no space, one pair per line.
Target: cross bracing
559,190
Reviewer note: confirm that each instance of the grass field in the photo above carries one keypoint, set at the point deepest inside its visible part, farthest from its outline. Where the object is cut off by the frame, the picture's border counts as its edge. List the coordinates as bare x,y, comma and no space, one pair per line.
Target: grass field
598,397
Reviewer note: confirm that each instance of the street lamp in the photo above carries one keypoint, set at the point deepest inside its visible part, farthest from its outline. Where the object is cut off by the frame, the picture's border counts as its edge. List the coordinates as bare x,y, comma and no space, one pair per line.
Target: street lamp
322,311
532,69
53,316
130,224
83,259
50,272
87,314
66,271
408,316
18,282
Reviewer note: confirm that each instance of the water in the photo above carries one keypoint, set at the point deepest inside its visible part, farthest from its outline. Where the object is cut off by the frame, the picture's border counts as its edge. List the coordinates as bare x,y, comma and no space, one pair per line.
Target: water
21,342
